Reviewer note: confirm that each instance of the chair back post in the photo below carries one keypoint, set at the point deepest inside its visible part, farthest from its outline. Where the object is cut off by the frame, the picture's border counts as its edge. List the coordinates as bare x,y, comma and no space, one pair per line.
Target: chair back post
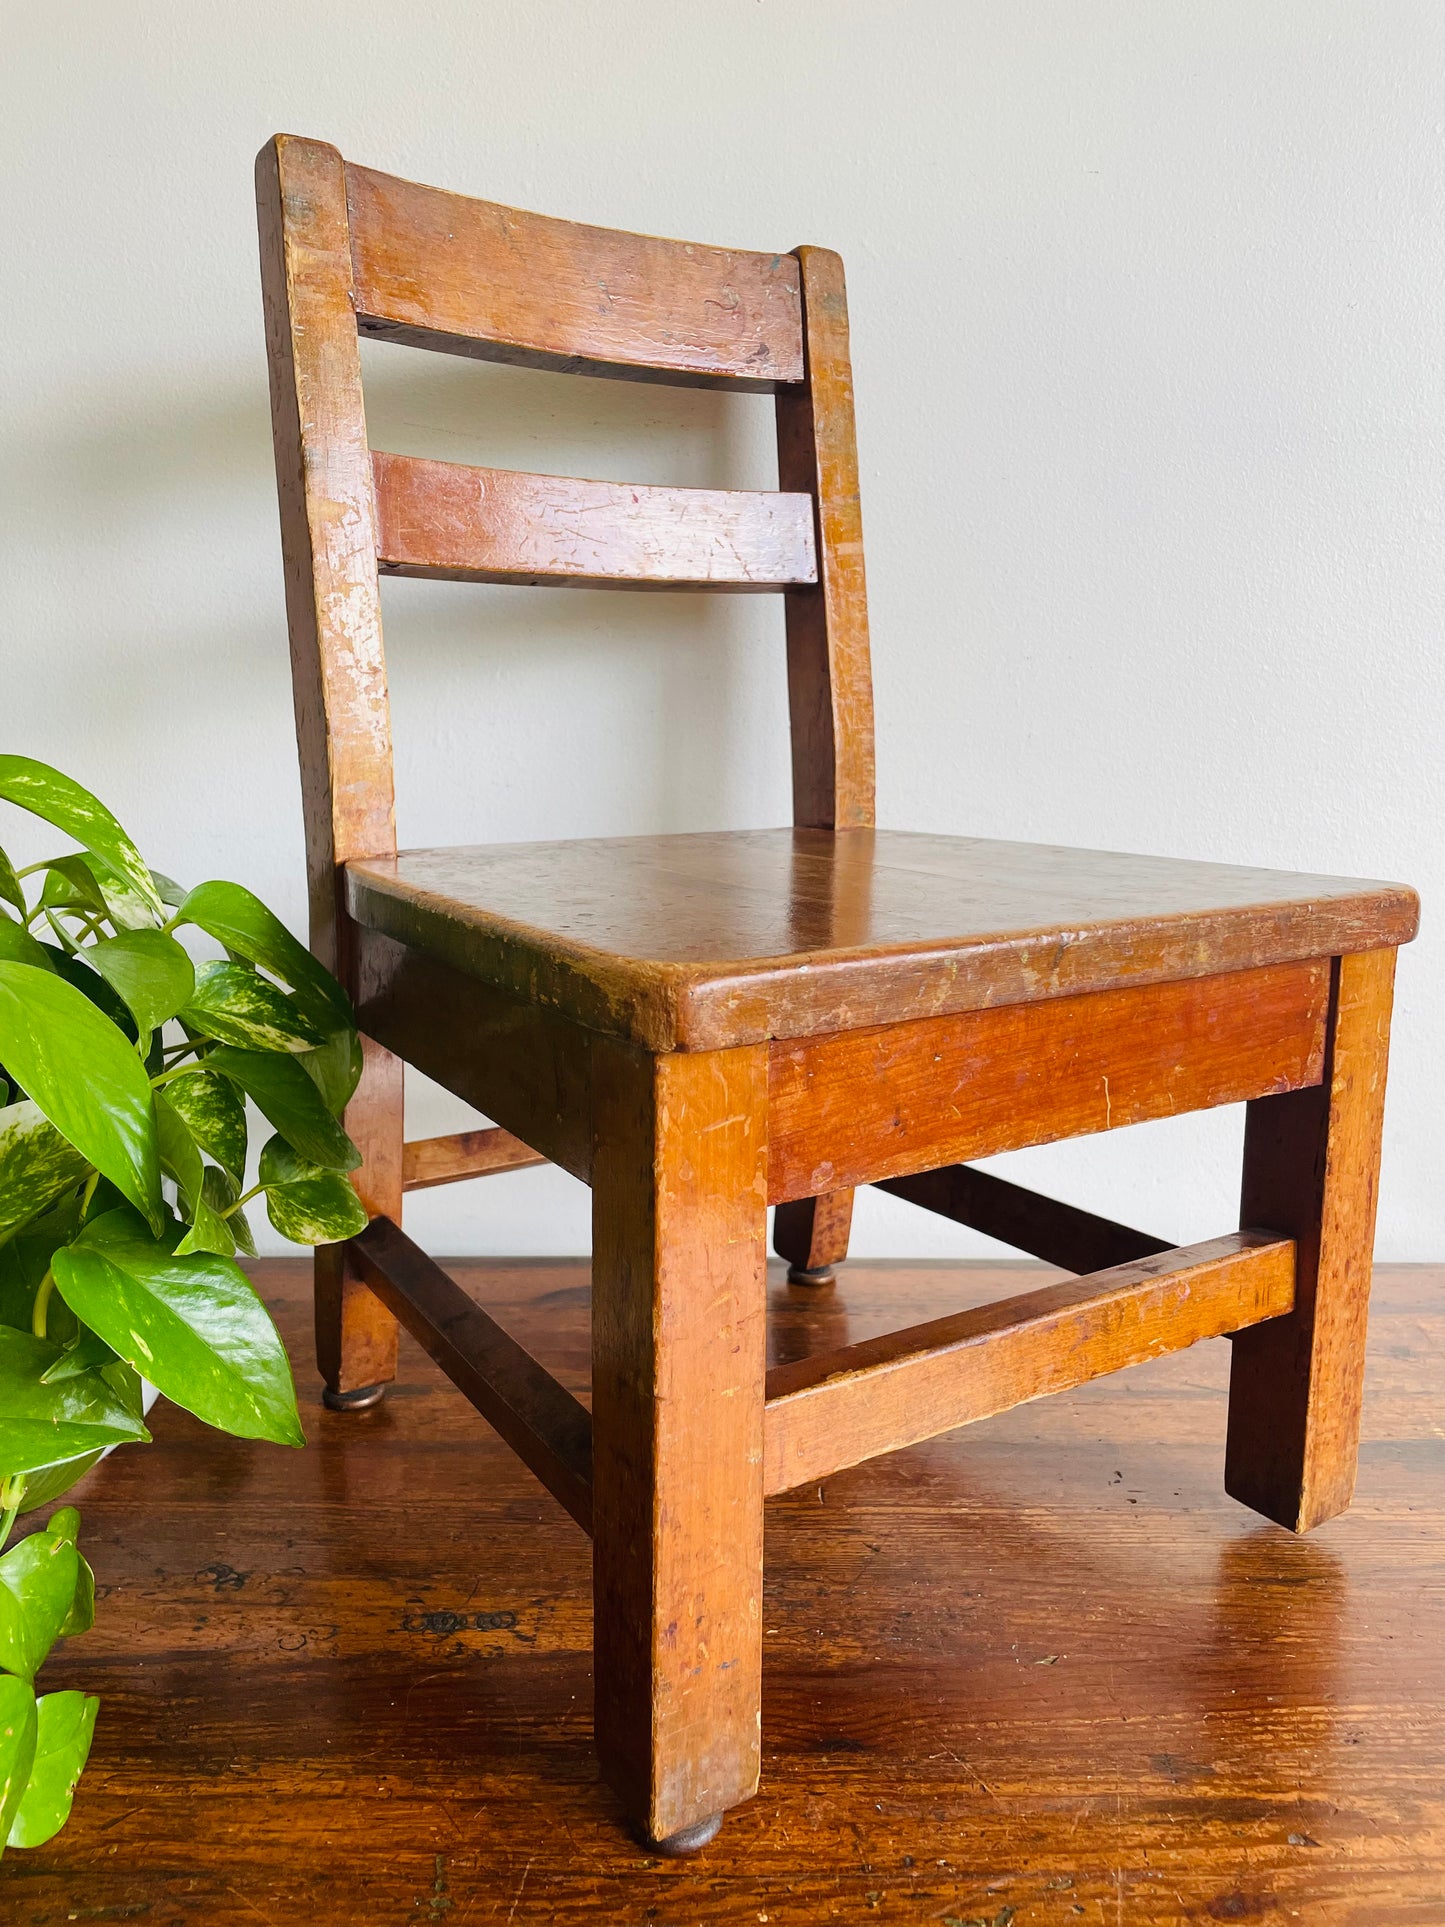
328,524
830,685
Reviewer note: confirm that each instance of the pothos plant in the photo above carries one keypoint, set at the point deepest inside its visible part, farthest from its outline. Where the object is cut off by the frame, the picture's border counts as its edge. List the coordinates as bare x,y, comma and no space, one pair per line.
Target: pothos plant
125,1064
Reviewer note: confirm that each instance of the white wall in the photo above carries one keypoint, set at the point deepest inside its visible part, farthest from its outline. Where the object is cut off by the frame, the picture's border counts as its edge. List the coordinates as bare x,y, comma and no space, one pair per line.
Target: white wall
1147,310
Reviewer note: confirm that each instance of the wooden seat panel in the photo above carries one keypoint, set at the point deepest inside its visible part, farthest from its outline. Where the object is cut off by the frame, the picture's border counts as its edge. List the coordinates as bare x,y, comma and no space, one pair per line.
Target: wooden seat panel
704,942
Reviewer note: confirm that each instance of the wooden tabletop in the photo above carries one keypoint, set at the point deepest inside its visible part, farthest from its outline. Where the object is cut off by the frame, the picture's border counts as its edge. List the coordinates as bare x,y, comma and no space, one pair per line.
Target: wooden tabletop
700,941
1038,1673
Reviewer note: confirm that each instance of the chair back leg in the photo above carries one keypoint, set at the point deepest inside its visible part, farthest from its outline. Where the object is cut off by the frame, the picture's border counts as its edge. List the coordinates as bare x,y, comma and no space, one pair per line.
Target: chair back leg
355,1333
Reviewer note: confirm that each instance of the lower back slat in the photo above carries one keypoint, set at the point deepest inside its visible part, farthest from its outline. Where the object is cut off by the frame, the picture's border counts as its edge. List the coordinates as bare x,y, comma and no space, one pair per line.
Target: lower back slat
500,525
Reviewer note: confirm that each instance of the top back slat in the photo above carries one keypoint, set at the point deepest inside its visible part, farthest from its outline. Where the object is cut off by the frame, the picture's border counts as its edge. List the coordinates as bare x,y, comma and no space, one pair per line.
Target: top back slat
471,277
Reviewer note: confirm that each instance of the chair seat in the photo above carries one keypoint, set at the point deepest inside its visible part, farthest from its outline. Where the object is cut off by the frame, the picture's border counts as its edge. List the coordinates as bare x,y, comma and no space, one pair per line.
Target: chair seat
701,942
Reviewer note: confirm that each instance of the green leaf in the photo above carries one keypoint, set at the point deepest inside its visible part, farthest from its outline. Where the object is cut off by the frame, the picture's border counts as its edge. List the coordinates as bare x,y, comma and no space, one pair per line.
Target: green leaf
149,970
25,1256
335,1068
47,793
214,1115
191,1324
243,924
92,986
64,1725
47,1483
11,887
221,1191
86,1352
36,1163
70,884
45,1425
307,1204
81,1616
82,1074
182,1161
65,1524
37,1587
17,1748
289,1100
126,907
18,946
171,893
235,1004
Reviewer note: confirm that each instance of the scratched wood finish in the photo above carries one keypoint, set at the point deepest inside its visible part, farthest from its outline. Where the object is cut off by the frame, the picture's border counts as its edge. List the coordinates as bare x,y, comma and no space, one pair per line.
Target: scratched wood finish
678,1342
1060,1234
542,1421
1311,1169
328,518
338,672
1039,1665
830,685
704,941
835,1409
872,1104
429,1161
448,521
445,271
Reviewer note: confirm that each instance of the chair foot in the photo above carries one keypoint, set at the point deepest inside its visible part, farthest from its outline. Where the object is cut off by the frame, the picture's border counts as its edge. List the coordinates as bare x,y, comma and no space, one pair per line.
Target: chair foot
361,1400
824,1275
687,1839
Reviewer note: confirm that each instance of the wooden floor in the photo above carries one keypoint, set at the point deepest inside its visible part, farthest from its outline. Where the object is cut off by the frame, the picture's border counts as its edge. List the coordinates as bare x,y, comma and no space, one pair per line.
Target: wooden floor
1041,1671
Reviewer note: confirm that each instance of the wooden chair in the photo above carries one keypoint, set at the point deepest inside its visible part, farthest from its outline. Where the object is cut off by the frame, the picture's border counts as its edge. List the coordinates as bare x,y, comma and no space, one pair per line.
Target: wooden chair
702,1026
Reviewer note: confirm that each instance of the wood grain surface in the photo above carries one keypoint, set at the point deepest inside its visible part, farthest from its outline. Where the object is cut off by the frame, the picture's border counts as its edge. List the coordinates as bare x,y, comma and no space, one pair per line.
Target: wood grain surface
428,1161
1311,1171
869,1104
703,941
448,521
1041,1672
837,1408
1059,1234
545,1424
679,1306
442,270
830,676
338,669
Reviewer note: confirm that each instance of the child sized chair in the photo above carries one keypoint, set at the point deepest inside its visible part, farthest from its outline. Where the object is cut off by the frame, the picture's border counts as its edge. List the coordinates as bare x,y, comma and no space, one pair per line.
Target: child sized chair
702,1026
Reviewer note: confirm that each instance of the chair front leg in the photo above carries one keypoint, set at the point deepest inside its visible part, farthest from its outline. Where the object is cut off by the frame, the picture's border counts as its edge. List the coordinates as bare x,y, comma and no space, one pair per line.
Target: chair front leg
678,1357
1311,1170
355,1333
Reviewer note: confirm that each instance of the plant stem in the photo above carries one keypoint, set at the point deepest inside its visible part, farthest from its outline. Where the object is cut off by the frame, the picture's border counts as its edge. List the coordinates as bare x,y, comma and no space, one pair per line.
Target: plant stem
42,1304
67,942
170,1071
245,1198
12,1491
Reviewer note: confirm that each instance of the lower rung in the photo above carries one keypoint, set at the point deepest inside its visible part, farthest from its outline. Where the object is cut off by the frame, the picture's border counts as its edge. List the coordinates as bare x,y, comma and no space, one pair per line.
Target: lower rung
839,1408
538,1417
466,1154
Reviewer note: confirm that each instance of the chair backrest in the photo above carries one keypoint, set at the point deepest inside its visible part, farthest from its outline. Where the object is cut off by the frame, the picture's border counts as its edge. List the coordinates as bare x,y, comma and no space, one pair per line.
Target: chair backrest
345,250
